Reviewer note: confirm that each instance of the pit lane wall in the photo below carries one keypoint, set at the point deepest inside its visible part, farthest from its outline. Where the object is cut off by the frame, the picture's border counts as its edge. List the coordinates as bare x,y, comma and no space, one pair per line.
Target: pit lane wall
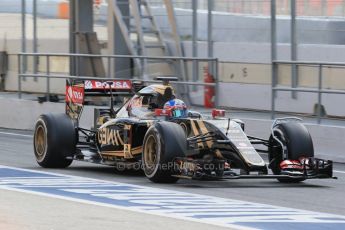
22,114
242,84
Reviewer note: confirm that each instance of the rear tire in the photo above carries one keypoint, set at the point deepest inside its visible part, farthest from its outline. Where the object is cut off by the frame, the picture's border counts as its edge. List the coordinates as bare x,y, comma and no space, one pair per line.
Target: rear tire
163,142
55,139
298,142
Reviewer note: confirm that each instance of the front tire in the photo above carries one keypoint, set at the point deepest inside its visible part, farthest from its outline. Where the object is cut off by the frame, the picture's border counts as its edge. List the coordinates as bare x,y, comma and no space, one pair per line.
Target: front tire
54,140
298,142
163,142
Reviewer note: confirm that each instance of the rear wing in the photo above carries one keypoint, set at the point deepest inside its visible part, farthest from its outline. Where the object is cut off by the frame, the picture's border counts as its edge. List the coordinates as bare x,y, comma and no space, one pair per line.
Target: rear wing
80,92
103,88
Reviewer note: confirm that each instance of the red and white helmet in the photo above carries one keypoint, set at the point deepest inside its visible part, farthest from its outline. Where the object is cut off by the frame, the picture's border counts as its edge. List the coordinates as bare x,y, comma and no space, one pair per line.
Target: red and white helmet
178,108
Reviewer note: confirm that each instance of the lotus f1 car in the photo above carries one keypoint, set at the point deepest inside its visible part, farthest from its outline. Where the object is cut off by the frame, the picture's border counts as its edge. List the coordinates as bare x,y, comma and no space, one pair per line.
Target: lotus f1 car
156,131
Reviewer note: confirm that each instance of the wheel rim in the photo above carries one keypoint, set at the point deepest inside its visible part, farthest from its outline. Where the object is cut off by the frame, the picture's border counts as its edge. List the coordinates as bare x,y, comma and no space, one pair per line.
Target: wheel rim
40,142
150,154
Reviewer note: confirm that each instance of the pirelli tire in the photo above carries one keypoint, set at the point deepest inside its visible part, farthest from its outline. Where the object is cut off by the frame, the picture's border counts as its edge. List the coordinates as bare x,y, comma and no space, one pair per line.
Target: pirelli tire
55,140
163,142
298,142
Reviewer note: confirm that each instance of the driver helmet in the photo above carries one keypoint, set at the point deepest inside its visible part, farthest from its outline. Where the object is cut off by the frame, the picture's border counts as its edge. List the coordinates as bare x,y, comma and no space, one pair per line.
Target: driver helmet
178,108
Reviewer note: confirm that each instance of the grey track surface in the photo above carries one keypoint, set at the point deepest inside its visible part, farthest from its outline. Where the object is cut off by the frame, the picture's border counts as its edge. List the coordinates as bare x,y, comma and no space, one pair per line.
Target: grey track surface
315,195
41,213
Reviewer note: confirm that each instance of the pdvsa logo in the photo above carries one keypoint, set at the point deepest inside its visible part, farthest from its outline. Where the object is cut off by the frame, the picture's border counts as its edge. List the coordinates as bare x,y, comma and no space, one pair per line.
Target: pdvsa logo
106,85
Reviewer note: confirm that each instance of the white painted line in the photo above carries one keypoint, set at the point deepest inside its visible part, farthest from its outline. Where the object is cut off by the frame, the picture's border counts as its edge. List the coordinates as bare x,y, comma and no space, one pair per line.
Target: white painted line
133,209
16,134
304,121
237,227
224,212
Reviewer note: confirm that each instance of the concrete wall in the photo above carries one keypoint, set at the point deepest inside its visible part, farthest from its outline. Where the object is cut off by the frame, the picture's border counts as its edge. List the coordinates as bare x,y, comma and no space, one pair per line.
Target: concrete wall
22,114
243,85
248,85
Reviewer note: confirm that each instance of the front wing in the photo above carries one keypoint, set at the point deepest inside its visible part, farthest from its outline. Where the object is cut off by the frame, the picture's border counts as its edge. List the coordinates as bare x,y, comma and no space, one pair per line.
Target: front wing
313,168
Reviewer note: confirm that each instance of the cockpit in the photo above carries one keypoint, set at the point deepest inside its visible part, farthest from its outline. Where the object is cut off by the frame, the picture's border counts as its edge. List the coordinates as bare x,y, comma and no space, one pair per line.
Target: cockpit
143,104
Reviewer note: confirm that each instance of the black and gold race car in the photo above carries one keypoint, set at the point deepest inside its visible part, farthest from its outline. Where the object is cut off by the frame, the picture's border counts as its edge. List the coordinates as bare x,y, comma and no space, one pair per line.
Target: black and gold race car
156,132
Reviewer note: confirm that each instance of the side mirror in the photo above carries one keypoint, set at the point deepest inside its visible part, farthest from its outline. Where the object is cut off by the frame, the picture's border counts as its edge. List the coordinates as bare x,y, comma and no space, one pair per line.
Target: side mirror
218,113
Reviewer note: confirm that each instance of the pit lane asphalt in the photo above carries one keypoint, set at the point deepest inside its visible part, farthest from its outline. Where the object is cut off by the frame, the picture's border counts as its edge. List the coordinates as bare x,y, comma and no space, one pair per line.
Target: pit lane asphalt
325,195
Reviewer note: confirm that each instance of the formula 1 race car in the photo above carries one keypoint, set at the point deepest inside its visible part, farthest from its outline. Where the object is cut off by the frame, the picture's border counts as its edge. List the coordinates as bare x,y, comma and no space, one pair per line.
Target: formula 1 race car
157,132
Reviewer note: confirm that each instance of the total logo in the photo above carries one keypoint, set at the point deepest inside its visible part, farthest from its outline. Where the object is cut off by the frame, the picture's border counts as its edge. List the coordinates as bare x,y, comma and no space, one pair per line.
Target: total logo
163,112
75,94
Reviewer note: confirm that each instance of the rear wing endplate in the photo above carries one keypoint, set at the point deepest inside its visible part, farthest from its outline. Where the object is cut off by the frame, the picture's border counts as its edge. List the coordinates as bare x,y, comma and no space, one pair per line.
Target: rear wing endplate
77,92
